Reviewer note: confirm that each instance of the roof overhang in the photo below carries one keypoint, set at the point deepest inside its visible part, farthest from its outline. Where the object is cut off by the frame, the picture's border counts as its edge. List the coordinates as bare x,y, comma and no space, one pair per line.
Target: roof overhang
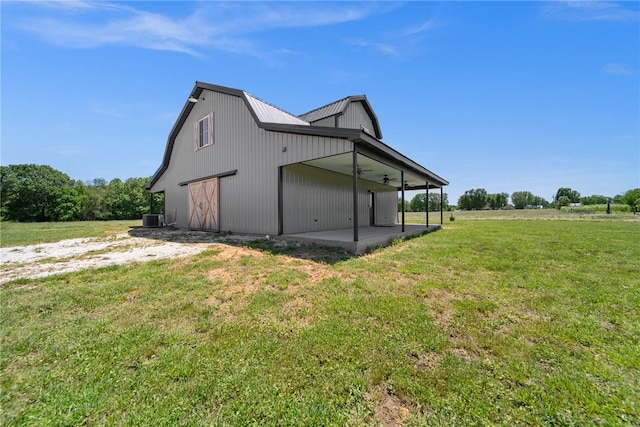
376,159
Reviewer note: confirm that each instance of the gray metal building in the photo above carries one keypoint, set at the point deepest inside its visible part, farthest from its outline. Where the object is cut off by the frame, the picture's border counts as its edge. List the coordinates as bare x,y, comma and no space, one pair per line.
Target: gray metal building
236,163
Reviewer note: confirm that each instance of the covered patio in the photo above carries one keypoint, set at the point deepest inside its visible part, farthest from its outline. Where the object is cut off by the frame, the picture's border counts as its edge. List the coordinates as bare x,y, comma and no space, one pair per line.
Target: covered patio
369,237
371,161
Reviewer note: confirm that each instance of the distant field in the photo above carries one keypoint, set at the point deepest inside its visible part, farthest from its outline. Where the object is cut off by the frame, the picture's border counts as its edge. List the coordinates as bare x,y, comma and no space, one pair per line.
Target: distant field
485,322
20,233
419,217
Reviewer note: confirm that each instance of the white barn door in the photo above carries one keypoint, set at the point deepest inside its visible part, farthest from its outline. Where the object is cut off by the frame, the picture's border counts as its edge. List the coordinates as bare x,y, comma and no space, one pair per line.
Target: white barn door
203,205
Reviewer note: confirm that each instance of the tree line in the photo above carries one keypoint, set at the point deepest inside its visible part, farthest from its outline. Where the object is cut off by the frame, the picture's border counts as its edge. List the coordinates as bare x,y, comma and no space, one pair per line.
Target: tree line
476,199
418,203
479,198
31,192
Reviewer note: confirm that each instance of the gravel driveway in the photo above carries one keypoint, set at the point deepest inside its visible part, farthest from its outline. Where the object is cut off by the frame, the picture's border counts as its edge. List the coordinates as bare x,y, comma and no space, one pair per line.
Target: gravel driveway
46,259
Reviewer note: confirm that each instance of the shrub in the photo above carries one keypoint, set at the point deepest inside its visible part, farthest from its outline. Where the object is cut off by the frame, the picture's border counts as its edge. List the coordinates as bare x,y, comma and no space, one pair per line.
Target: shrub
600,208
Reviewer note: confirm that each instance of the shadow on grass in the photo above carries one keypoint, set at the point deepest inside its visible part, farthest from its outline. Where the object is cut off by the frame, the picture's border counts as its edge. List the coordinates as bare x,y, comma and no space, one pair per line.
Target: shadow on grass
274,246
308,251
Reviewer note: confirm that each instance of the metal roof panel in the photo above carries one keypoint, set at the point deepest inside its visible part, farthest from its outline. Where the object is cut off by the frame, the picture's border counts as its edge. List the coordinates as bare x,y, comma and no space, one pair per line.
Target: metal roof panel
268,113
328,110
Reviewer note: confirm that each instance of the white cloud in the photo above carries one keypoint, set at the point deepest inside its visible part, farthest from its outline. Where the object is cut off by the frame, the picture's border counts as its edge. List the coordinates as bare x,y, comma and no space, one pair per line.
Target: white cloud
401,40
252,17
617,69
75,6
590,11
421,28
221,26
113,26
385,48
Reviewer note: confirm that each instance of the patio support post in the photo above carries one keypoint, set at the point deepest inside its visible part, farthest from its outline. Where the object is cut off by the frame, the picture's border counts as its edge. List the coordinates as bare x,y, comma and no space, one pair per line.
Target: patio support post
355,193
280,203
441,214
426,202
402,181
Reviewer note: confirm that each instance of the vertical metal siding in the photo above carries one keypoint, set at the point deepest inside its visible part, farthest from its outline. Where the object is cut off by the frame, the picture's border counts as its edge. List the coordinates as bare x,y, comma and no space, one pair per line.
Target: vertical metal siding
249,199
316,199
356,116
386,207
328,121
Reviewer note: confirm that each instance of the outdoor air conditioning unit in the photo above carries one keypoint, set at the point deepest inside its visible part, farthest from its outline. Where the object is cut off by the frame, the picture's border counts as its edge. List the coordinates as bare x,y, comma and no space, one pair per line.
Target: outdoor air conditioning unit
152,220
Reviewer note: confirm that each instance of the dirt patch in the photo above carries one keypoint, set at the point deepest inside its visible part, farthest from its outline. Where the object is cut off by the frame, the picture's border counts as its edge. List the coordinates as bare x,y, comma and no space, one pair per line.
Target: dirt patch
234,253
463,354
442,302
131,296
315,272
428,361
391,411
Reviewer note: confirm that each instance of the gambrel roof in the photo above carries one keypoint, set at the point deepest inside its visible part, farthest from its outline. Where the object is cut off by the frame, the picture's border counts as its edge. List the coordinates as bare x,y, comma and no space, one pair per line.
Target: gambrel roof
339,107
336,107
272,118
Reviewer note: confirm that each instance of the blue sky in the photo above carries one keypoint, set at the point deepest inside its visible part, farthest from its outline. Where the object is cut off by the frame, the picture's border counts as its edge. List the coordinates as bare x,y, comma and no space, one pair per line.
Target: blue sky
506,96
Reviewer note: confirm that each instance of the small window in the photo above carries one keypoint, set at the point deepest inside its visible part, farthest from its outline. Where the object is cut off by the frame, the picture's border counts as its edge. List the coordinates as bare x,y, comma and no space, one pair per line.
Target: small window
203,132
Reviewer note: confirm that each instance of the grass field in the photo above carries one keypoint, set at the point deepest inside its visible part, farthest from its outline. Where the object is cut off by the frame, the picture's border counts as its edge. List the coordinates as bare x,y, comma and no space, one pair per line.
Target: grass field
525,321
20,233
528,214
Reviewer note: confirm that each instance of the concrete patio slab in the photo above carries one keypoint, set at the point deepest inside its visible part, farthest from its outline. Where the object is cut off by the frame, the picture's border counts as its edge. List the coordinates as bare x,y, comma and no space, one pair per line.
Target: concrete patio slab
368,237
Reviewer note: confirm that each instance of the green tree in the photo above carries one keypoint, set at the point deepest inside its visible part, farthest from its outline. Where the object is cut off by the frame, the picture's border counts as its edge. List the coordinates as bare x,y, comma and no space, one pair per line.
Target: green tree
406,205
128,199
418,202
521,199
139,198
158,203
434,201
95,207
83,198
594,200
31,192
473,199
572,195
497,200
563,201
632,198
115,199
540,201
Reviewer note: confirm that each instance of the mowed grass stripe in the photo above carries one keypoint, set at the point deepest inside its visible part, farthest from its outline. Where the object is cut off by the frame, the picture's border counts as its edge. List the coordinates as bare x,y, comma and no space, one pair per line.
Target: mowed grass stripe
29,233
494,322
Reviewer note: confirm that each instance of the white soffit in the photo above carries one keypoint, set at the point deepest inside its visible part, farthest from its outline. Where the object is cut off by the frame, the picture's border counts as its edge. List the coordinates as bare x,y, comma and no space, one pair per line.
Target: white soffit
370,169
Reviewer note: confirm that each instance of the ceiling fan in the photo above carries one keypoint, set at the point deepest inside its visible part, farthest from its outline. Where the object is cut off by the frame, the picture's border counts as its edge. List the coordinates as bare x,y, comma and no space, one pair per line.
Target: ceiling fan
361,171
386,179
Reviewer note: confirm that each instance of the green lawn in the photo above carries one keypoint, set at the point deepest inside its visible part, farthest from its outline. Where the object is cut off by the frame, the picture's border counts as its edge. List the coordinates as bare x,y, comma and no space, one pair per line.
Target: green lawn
492,322
20,233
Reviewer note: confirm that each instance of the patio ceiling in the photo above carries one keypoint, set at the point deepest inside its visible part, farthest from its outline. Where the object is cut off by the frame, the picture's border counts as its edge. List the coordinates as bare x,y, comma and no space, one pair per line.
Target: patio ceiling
369,169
